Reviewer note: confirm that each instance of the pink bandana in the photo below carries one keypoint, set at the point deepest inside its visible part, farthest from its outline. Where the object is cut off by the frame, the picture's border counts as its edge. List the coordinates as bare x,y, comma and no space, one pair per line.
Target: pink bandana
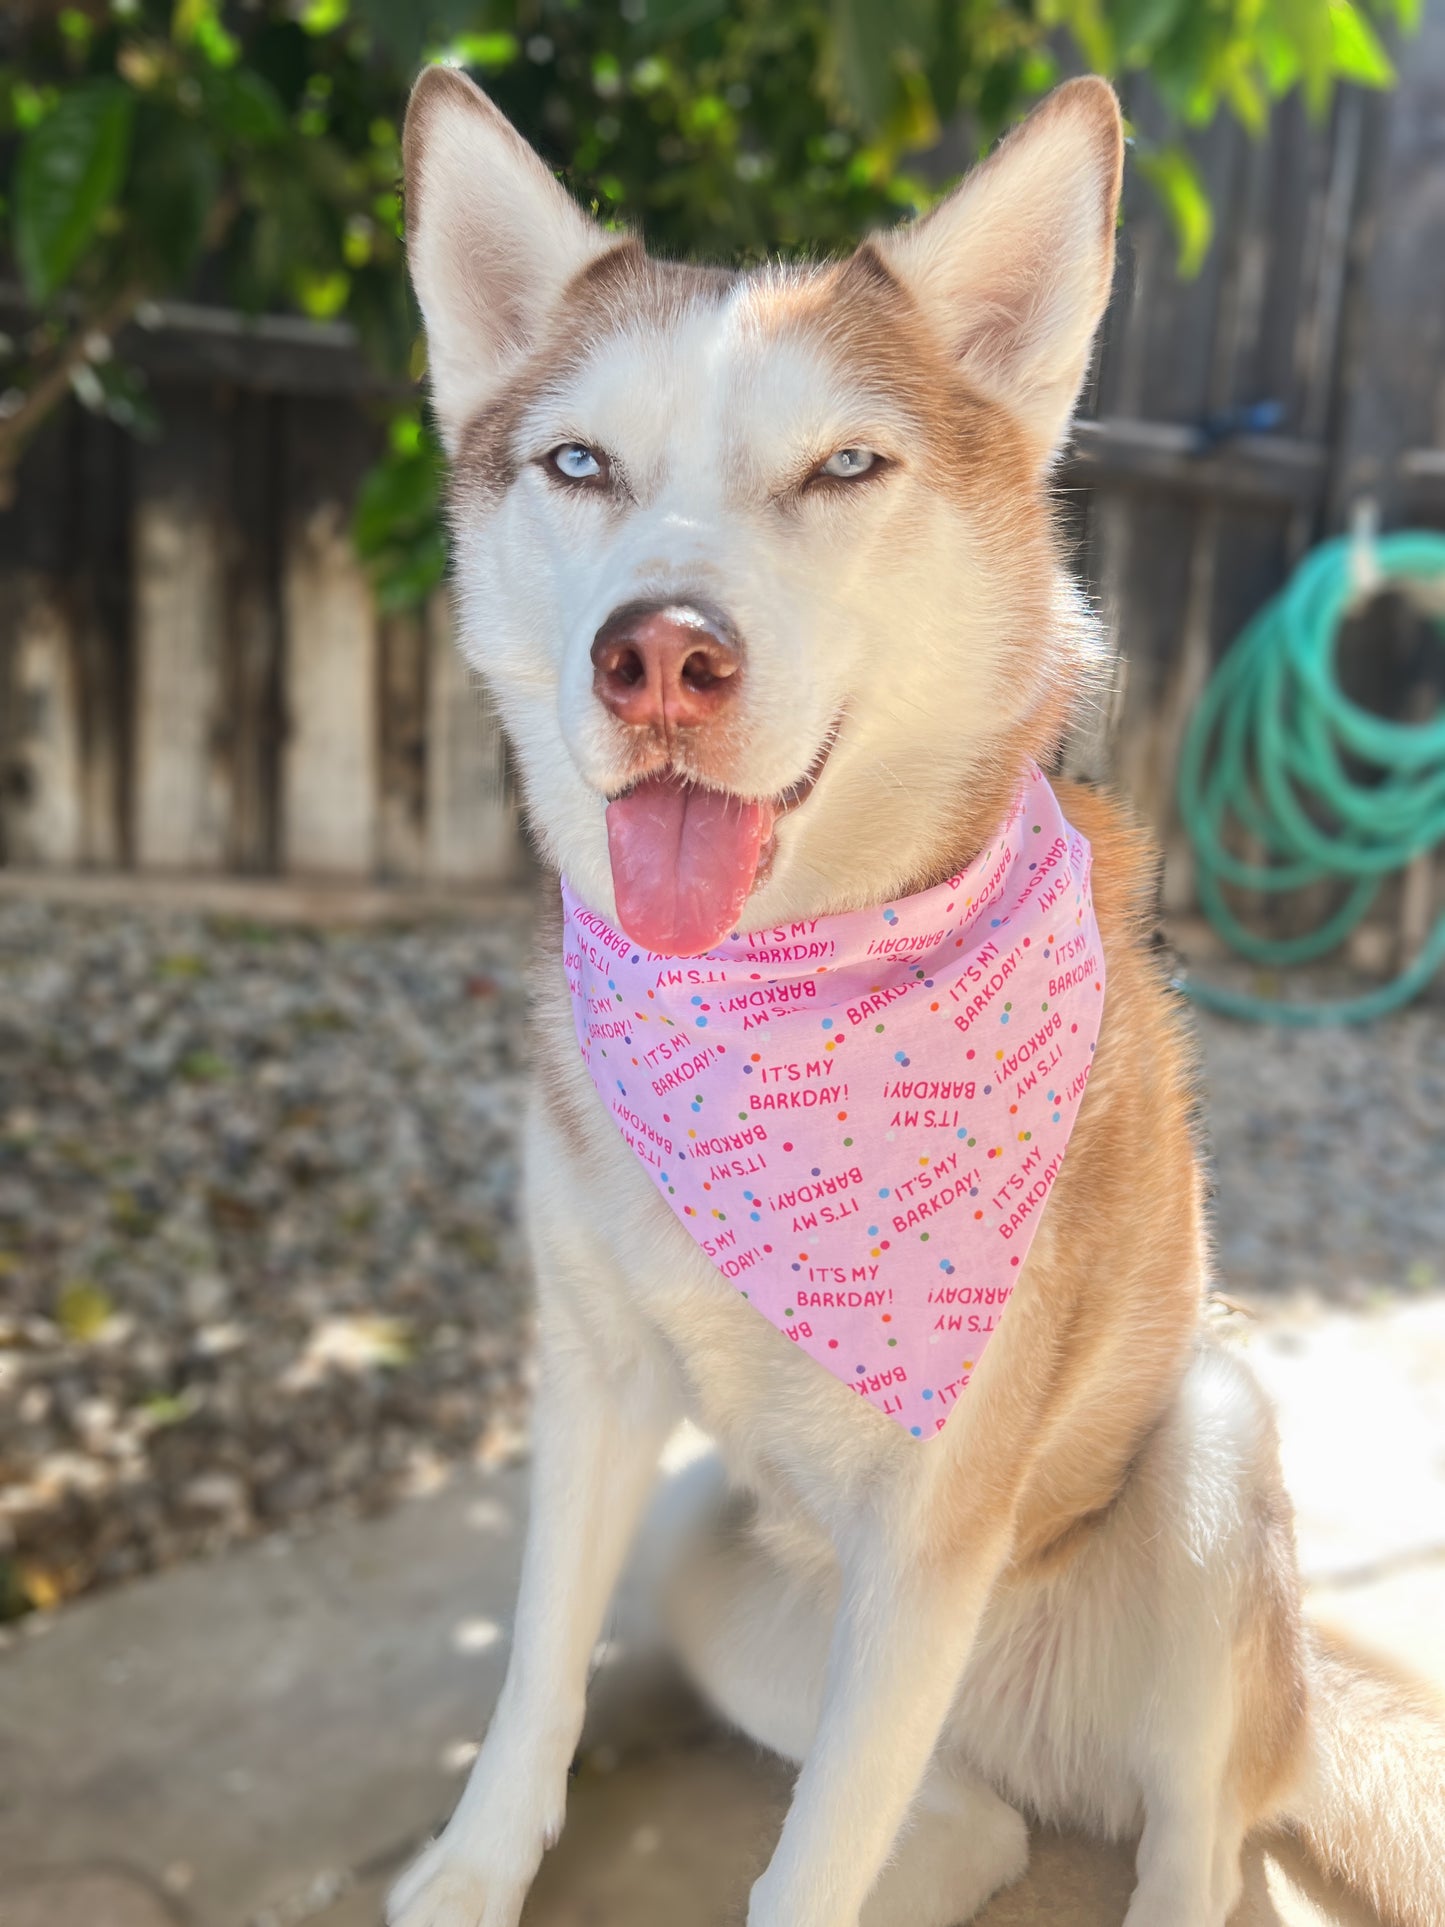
859,1118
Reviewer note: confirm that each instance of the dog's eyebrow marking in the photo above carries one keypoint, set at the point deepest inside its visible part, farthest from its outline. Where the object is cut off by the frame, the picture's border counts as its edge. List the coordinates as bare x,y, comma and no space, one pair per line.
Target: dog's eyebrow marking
606,274
626,286
621,289
855,313
860,317
867,262
486,465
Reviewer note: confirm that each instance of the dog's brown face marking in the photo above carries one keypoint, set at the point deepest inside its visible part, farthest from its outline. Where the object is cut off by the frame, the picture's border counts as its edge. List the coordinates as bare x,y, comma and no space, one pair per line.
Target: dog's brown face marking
854,316
623,288
858,316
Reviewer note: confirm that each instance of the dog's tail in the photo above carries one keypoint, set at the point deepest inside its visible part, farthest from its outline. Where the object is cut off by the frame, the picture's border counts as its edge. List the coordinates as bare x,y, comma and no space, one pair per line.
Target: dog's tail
1370,1805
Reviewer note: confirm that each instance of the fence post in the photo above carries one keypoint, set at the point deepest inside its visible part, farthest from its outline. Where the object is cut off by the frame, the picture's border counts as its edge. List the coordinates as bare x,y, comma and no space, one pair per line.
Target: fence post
329,758
472,831
182,782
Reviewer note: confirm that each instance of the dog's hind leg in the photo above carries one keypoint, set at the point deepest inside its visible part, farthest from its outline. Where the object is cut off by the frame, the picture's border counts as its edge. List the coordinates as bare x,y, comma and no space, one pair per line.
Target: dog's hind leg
1188,1858
753,1629
1216,1728
960,1845
749,1627
1188,1863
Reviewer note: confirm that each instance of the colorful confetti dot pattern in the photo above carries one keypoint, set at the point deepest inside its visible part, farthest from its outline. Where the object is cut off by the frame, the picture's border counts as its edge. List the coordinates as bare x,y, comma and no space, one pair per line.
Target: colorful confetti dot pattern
859,1118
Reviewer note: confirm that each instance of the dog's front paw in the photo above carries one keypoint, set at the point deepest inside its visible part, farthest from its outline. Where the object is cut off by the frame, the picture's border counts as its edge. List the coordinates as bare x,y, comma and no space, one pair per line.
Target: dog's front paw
442,1889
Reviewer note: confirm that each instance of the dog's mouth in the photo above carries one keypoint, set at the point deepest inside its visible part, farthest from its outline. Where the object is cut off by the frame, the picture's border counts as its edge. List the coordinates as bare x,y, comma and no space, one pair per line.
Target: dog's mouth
685,858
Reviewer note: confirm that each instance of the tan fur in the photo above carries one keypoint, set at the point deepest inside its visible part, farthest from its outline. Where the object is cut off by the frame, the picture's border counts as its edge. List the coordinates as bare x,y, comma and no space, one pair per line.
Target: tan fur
1118,1353
615,290
1373,1791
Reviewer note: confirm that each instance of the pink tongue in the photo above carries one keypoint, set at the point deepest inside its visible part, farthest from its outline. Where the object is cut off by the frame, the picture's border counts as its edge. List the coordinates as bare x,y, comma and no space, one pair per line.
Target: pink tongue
683,862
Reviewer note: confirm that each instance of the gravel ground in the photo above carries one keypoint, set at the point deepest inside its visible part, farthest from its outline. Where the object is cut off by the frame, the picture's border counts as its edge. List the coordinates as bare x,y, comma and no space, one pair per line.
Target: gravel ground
258,1253
1328,1148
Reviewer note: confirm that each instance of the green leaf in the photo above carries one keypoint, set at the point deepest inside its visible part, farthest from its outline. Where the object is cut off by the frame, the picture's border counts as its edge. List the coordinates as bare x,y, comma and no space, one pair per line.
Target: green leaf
869,36
205,1067
401,496
1358,53
1086,22
197,23
15,1601
1176,180
162,1409
401,27
667,19
69,172
1142,25
82,1310
324,16
1245,95
1279,61
76,27
397,524
322,292
488,51
175,176
406,574
244,106
1309,29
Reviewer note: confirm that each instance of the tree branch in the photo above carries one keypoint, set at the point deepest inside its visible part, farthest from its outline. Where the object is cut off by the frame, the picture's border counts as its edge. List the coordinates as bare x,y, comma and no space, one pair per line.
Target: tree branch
54,385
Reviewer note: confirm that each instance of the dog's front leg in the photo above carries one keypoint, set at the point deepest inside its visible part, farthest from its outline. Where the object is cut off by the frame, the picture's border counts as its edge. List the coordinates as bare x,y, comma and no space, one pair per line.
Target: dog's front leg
906,1621
599,1437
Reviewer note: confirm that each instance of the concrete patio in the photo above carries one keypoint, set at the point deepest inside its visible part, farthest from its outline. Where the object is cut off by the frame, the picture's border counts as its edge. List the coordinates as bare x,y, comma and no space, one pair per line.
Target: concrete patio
262,1740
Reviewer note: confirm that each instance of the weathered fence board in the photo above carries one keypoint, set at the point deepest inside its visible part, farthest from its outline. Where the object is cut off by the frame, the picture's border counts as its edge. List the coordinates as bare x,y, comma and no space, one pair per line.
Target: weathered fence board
402,818
182,788
63,652
329,760
1394,401
251,543
471,834
99,594
45,820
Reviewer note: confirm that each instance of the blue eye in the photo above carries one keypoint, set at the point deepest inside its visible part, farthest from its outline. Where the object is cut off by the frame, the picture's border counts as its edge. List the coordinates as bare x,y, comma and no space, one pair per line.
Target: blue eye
575,462
849,462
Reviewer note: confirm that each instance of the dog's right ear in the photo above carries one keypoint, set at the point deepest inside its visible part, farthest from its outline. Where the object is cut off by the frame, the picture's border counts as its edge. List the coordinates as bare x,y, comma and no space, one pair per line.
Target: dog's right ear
491,238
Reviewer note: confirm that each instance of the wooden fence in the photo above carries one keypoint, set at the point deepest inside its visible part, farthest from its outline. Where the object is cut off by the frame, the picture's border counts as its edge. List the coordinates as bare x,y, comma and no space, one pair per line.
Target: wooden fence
196,676
1324,298
193,676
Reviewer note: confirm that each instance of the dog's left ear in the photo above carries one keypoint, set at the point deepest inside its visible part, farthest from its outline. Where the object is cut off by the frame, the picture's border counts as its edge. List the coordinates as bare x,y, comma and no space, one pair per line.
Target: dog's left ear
1014,268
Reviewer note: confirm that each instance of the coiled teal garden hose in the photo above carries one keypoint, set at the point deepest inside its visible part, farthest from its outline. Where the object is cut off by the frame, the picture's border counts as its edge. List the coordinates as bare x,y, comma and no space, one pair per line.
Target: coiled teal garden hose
1268,746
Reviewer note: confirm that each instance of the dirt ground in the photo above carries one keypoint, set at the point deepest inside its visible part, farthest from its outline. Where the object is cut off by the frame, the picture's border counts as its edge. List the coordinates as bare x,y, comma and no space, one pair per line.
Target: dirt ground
258,1249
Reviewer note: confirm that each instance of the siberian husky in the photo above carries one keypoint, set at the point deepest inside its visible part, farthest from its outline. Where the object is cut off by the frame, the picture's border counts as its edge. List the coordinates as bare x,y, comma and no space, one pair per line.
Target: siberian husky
773,551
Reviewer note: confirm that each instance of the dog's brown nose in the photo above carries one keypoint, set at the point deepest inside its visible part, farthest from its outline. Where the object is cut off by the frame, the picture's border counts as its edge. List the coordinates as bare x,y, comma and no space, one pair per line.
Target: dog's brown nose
670,665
